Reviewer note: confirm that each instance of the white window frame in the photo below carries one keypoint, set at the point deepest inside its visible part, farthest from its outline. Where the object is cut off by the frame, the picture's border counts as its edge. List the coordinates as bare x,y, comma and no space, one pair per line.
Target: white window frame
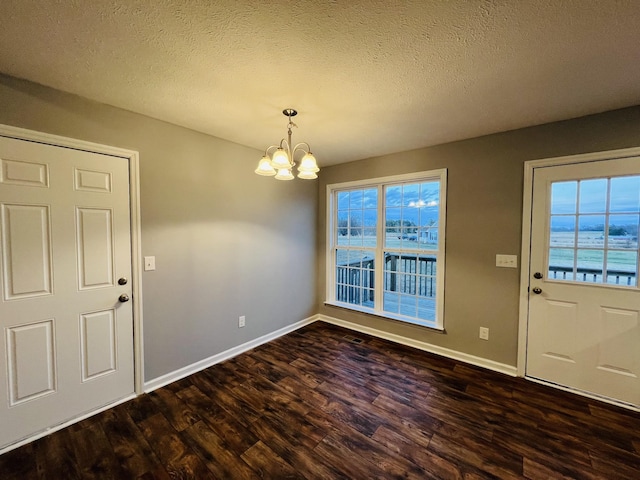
380,183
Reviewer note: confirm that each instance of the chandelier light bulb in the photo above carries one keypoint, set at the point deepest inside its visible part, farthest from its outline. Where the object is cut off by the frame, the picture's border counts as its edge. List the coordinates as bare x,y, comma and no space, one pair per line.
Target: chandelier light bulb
308,164
265,168
307,175
280,159
284,174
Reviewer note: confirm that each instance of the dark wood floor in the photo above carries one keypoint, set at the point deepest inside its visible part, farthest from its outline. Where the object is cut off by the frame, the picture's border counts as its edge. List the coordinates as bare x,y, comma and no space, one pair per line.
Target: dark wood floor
317,404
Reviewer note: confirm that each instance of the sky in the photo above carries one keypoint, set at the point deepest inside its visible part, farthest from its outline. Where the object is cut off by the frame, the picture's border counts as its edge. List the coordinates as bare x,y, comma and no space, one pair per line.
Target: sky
588,200
416,202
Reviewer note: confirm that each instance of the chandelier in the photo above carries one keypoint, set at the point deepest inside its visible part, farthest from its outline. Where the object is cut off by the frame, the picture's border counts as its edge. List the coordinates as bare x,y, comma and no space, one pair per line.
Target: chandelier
282,161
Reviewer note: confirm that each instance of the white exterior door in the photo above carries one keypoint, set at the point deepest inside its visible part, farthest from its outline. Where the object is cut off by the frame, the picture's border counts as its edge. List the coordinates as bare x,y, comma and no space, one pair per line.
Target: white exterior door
66,345
584,323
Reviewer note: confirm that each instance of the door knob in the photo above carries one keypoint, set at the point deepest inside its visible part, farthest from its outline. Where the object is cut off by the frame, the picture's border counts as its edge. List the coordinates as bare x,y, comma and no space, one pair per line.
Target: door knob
123,281
123,298
537,290
537,275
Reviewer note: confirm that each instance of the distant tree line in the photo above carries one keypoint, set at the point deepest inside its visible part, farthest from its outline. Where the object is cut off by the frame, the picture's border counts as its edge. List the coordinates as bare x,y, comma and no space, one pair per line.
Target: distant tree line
614,230
353,226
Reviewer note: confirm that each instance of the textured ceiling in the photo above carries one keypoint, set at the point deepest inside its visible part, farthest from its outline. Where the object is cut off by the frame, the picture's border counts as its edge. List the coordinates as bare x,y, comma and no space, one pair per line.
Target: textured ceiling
368,77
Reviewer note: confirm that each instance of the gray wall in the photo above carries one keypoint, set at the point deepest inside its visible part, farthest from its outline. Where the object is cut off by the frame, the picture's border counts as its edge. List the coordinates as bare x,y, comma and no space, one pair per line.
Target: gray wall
227,242
484,218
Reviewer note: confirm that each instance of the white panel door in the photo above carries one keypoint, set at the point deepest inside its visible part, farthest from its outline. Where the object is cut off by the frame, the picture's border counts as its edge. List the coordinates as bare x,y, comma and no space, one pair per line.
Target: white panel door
584,301
66,345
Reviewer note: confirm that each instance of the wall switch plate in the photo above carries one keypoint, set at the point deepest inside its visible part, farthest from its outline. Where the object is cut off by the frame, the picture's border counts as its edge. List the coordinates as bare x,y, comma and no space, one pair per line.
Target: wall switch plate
241,321
484,333
149,263
507,261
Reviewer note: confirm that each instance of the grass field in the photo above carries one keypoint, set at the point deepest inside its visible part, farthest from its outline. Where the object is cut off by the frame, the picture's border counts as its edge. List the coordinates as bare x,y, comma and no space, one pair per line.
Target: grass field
392,243
622,252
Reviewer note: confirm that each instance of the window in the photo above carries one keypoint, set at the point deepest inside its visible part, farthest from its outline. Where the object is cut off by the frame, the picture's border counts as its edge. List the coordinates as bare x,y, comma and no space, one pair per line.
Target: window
386,246
593,234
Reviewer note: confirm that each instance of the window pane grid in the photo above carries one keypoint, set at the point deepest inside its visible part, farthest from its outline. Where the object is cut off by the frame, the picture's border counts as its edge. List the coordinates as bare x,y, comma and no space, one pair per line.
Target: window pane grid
355,276
410,284
593,231
386,246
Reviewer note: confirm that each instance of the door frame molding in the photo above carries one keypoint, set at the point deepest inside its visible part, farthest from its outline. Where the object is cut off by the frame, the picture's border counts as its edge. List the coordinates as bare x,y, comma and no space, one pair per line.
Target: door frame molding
134,210
527,204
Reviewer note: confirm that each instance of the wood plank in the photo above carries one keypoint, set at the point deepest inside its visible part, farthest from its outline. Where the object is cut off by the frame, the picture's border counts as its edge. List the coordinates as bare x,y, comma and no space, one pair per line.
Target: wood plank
178,413
361,446
292,449
55,457
268,464
94,454
177,458
414,448
468,459
129,445
221,462
18,464
236,436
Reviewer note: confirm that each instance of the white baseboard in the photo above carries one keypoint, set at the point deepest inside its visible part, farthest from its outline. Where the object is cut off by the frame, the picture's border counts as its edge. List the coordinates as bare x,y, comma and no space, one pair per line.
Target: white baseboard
427,347
582,393
179,374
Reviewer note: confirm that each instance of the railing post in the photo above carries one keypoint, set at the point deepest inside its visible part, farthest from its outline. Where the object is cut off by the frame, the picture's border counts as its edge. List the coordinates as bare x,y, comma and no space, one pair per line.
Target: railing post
371,280
392,269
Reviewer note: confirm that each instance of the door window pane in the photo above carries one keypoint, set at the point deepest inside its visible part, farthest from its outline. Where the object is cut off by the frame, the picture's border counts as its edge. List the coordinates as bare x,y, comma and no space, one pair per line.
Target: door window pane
589,265
625,195
563,197
561,263
563,231
593,195
607,246
623,232
621,268
591,231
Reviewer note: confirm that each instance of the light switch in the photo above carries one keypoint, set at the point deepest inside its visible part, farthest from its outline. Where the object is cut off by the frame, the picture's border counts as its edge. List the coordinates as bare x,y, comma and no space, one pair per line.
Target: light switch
507,261
149,263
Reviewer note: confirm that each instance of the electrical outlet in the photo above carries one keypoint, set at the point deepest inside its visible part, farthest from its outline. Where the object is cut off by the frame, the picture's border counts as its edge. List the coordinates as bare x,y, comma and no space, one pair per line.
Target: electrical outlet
484,333
507,261
149,263
241,321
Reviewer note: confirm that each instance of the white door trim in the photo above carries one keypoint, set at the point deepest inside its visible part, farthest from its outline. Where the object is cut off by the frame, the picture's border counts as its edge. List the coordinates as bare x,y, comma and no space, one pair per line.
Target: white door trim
525,272
134,206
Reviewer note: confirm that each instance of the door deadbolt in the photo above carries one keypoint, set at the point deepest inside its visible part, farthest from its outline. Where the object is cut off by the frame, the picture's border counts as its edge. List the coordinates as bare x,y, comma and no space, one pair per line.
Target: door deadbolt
123,298
123,281
537,275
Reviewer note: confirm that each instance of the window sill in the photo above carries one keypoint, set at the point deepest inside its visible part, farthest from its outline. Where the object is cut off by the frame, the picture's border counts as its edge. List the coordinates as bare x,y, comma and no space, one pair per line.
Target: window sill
387,315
